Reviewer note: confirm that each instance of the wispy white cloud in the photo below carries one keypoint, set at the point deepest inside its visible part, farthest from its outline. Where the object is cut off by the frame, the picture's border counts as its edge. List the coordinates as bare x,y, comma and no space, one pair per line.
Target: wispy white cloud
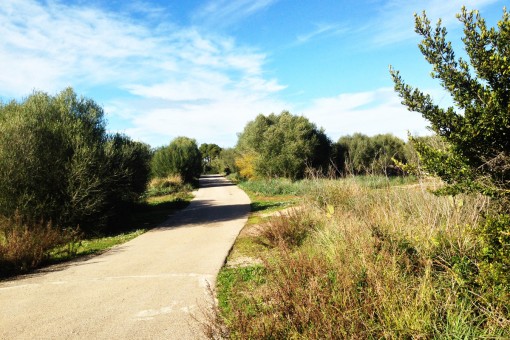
321,30
395,21
168,80
372,112
223,13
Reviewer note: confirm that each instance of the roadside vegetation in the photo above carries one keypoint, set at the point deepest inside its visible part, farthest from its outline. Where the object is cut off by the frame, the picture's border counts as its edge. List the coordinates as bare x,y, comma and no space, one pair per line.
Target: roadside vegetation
68,188
353,261
397,256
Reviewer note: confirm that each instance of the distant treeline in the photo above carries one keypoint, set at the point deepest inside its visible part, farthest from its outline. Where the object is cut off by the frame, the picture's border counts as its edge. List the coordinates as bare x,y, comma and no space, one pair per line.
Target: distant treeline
288,146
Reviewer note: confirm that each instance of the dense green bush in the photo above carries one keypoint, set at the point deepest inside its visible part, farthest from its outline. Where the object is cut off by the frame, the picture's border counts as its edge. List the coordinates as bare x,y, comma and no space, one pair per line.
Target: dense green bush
58,163
475,155
282,145
182,157
361,154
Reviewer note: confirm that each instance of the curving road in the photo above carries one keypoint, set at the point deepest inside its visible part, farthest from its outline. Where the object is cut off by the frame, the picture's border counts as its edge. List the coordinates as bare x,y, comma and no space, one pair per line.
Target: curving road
147,288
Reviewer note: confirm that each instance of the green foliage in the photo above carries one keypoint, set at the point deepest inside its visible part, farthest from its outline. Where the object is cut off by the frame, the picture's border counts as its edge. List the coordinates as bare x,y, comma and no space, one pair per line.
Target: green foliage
209,152
128,163
477,129
360,154
58,163
182,157
495,260
283,145
226,162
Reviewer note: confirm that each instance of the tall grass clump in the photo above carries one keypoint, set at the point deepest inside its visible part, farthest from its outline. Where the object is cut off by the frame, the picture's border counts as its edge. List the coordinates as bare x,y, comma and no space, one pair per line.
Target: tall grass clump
287,230
24,245
392,262
171,184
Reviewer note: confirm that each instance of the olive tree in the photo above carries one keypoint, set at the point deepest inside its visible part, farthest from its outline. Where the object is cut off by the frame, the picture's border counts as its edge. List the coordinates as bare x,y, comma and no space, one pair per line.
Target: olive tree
282,145
58,163
477,128
181,157
360,154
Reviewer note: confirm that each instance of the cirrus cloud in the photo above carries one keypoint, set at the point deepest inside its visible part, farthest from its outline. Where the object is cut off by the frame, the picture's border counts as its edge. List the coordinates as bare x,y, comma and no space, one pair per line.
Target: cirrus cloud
160,80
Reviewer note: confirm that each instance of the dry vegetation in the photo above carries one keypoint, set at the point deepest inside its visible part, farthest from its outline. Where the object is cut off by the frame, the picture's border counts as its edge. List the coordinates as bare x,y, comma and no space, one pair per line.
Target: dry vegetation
365,261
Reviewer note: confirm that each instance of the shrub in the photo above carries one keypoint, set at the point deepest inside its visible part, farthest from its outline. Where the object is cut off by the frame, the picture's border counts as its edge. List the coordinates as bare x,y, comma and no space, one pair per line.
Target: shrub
181,157
476,129
58,163
360,154
494,262
282,146
167,185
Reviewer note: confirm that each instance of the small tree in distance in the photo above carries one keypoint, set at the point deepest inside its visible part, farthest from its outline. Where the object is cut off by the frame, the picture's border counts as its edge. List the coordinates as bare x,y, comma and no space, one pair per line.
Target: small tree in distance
477,130
209,152
181,157
282,145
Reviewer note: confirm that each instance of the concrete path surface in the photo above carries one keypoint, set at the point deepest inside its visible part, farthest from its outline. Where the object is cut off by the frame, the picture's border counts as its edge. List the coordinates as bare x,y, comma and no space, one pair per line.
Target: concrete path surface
147,288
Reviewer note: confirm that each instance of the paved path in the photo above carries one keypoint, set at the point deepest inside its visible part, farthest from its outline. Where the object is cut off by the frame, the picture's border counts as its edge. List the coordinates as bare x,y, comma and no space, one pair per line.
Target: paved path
144,289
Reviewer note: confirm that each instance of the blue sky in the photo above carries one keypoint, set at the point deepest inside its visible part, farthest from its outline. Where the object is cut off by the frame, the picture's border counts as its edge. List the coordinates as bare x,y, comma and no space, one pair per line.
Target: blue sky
203,69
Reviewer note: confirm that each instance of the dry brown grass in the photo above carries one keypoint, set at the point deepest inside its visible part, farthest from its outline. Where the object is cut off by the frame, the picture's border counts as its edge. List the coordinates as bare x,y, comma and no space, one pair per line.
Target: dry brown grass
365,263
25,245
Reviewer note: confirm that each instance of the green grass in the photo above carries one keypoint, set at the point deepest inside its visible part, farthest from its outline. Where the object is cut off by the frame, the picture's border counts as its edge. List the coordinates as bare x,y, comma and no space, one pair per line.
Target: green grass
276,187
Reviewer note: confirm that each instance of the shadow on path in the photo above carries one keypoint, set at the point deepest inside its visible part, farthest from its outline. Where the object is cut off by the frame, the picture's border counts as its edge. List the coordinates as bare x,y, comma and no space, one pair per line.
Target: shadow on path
211,181
198,212
203,211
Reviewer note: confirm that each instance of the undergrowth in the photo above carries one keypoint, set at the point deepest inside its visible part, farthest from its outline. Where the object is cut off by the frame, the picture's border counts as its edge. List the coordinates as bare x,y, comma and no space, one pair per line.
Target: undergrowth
373,261
27,245
161,186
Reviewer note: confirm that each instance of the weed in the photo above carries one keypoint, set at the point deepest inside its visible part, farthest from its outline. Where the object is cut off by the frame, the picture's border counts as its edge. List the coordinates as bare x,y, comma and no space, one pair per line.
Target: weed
24,245
373,261
287,229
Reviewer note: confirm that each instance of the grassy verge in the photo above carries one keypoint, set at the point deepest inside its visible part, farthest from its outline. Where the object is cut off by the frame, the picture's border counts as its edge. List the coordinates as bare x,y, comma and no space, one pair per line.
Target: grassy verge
265,203
360,259
146,215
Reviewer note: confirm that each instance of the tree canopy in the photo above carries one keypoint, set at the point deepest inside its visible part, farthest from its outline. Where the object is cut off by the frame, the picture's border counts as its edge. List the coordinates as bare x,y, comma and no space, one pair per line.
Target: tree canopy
477,127
281,145
58,163
181,157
